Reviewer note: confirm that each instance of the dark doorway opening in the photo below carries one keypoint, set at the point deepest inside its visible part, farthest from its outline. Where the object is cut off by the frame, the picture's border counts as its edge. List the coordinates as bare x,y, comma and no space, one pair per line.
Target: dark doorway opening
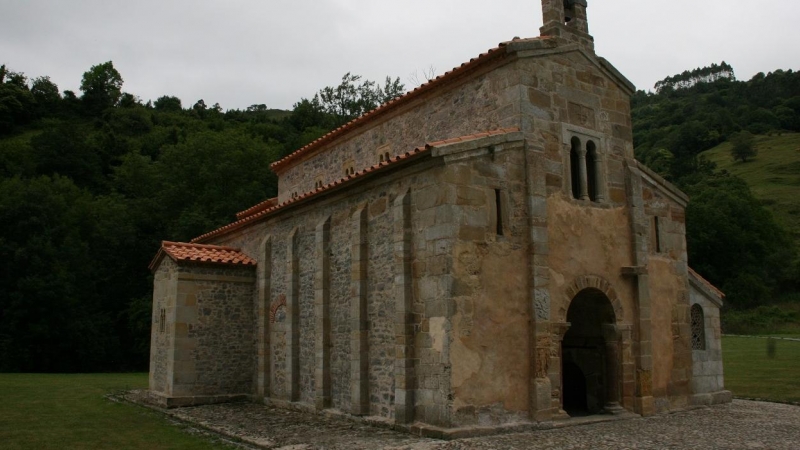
589,361
575,396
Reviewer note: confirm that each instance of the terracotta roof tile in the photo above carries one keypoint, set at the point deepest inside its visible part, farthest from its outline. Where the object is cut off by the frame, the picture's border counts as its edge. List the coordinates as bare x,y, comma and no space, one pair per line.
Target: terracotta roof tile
201,254
706,283
257,208
269,207
485,57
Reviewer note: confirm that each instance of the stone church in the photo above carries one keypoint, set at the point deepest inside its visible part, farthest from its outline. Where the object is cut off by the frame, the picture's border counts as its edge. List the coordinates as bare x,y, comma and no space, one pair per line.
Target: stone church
480,253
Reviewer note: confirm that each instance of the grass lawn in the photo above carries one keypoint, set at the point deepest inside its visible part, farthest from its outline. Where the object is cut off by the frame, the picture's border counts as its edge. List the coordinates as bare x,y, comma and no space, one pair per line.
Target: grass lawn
70,412
749,372
773,175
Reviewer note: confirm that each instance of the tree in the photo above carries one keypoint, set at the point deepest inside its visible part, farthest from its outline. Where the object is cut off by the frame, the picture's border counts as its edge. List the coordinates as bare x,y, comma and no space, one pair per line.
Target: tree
101,87
349,99
16,101
168,103
735,242
45,92
54,314
743,146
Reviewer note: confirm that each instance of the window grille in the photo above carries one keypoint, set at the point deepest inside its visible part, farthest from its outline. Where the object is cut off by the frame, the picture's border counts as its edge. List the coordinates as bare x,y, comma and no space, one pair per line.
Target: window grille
698,328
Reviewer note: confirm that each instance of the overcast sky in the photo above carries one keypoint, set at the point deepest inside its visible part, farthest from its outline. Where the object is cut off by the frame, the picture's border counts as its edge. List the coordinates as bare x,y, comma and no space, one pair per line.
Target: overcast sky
242,52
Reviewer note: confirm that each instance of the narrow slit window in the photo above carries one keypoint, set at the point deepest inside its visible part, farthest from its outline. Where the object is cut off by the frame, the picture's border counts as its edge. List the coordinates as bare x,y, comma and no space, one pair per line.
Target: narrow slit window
574,168
162,320
656,235
498,201
591,170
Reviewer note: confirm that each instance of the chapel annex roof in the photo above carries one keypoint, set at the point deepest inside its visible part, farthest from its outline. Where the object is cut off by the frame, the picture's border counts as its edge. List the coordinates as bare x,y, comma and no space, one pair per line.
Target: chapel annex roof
182,252
490,55
271,206
695,277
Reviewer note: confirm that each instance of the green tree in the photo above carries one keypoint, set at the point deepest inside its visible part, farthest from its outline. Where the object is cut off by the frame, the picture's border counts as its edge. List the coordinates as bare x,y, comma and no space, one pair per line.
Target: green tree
46,95
743,146
53,314
16,101
735,242
101,86
350,99
168,103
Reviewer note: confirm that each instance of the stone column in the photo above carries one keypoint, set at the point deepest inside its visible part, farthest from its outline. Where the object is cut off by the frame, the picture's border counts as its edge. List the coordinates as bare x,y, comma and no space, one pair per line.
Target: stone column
322,350
584,181
557,369
613,368
405,379
359,332
600,178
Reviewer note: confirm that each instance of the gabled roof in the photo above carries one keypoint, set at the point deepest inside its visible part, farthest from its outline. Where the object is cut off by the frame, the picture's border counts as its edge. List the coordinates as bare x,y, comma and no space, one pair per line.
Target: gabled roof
490,55
181,252
709,289
271,206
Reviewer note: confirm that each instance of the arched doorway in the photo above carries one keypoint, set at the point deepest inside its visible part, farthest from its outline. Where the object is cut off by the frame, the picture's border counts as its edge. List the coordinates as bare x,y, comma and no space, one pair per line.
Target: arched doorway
590,360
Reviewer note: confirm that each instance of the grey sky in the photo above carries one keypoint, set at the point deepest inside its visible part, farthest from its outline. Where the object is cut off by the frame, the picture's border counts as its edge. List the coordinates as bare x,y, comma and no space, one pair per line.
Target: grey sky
242,52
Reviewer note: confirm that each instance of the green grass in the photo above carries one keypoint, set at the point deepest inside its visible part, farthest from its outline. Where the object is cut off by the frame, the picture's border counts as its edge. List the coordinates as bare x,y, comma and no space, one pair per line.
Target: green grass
71,412
774,175
751,373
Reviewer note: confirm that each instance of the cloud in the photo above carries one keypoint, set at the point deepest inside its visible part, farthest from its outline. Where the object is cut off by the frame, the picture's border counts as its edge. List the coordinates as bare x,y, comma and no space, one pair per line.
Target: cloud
241,52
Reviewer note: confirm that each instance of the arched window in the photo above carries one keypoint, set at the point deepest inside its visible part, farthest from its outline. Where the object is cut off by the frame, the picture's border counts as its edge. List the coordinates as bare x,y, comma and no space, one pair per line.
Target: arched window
698,328
591,170
574,167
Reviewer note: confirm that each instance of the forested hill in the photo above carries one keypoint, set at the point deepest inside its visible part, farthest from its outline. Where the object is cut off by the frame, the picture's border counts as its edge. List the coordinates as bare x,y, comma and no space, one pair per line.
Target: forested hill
91,182
732,238
702,108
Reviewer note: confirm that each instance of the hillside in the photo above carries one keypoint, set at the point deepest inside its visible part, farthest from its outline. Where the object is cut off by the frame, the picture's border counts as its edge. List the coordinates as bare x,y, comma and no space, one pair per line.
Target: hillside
773,176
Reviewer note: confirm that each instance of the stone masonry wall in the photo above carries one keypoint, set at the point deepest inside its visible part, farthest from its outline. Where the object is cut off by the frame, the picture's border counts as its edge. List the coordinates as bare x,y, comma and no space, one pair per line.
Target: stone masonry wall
487,102
707,370
489,349
214,334
164,285
668,273
380,292
377,196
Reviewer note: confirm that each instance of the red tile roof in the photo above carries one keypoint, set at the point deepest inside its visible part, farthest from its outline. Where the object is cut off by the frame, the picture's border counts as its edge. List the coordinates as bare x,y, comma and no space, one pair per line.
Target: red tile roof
257,208
269,207
706,283
201,254
489,55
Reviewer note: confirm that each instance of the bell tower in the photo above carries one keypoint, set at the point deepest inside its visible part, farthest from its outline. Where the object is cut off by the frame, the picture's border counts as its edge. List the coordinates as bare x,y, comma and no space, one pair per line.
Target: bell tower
567,19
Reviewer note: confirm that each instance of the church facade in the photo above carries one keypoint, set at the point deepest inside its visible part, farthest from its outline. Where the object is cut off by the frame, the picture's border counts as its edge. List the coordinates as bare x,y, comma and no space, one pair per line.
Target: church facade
481,252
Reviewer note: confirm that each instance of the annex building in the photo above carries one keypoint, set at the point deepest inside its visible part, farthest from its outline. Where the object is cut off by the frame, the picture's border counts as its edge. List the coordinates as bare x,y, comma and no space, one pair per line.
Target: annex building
483,251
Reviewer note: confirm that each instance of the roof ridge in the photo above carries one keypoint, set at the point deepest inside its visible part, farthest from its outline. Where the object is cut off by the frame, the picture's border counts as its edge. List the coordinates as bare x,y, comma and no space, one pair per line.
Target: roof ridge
447,76
706,283
189,252
196,245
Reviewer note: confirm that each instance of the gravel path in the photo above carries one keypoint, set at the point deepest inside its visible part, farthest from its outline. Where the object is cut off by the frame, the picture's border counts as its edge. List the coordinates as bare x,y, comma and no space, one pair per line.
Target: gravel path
740,425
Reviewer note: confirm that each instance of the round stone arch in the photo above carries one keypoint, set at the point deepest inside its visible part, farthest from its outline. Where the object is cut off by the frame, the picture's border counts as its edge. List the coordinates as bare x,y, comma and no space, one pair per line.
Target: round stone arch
591,282
610,340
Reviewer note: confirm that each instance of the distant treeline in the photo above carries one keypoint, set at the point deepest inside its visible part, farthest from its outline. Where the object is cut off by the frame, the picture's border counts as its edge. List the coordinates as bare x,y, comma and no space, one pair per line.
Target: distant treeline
689,78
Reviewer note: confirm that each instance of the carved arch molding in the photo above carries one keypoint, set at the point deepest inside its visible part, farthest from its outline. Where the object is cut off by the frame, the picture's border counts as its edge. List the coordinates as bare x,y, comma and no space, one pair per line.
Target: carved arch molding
591,282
